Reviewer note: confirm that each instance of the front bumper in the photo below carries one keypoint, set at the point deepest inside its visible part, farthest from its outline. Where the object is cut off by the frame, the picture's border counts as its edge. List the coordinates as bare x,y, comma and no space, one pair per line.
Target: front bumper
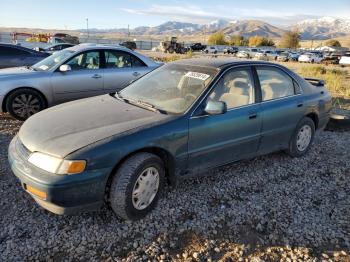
65,194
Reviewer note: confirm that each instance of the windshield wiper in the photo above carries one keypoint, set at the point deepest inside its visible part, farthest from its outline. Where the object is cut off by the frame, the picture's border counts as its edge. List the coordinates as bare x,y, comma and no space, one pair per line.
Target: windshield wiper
30,67
140,103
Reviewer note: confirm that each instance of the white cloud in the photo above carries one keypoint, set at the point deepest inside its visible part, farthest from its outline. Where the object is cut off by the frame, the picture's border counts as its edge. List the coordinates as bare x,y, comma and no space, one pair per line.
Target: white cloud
195,14
188,13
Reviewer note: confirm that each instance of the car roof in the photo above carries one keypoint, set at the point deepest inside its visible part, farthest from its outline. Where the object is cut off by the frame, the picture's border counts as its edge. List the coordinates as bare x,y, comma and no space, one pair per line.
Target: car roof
88,46
13,45
18,47
219,63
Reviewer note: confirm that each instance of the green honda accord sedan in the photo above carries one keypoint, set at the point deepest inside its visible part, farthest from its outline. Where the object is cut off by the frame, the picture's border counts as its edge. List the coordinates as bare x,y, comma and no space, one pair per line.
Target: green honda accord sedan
177,121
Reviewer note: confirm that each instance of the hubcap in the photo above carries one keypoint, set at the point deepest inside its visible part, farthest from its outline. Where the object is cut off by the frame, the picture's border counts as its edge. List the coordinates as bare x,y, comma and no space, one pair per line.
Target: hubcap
25,105
304,137
145,188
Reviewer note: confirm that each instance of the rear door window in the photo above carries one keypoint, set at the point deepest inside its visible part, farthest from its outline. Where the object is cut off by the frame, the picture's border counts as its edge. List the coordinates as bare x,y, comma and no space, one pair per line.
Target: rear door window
274,83
120,59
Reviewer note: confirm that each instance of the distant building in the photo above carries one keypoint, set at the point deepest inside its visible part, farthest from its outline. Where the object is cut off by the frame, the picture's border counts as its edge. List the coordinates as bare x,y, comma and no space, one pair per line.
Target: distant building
332,49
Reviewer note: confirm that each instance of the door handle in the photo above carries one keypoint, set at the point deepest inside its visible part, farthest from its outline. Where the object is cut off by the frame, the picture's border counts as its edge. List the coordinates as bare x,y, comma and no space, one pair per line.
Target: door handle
96,76
253,115
136,74
300,105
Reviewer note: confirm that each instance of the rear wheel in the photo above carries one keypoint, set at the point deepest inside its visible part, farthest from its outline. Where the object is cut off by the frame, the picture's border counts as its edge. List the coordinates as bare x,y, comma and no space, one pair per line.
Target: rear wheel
25,102
136,186
302,138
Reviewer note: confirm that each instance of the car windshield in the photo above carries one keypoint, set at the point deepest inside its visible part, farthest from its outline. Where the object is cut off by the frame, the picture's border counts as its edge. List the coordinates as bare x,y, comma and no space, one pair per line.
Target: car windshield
53,60
171,88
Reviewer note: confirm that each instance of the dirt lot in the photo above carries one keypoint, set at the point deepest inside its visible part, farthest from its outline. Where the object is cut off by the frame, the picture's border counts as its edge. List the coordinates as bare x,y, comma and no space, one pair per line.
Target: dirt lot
271,208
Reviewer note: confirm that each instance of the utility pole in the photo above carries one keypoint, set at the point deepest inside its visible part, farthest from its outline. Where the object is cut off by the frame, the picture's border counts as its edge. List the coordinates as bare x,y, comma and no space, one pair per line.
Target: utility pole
87,27
128,32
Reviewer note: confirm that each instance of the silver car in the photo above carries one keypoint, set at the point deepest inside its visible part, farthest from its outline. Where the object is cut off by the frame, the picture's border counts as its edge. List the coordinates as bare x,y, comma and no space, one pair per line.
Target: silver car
73,73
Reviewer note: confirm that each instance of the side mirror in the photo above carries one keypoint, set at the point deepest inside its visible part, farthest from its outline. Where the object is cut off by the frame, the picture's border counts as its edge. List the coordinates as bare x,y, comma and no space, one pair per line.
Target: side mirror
215,108
65,68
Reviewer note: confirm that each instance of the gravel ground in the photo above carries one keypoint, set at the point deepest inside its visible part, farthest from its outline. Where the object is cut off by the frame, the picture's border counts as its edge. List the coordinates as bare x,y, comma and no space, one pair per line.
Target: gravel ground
271,208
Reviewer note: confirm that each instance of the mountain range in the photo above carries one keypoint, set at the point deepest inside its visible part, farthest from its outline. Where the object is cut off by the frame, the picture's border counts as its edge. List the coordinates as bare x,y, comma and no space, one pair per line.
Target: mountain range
317,29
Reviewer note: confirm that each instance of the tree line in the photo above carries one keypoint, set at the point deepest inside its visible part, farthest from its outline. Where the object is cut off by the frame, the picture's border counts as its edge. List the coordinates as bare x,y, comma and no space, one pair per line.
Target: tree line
290,39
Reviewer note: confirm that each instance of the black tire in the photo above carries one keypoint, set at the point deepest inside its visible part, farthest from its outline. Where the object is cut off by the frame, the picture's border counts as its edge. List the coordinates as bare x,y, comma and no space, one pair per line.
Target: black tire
293,149
124,180
39,103
206,51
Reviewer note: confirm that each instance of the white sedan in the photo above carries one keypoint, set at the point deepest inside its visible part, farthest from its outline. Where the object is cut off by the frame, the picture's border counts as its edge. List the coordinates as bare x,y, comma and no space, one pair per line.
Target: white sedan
345,59
310,58
242,54
211,50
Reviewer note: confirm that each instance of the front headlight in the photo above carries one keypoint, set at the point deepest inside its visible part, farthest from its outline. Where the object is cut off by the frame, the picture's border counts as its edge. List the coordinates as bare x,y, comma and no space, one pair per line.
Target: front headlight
57,165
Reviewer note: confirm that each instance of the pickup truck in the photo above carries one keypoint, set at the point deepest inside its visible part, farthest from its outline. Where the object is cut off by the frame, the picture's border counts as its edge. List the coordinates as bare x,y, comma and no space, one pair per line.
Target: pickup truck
197,47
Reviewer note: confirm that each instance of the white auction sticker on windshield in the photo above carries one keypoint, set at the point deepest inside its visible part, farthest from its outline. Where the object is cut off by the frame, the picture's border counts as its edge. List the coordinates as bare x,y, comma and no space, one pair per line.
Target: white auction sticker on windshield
43,67
197,75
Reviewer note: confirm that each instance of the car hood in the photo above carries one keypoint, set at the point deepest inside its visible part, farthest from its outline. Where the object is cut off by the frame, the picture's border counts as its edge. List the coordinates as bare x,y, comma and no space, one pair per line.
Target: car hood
63,129
15,72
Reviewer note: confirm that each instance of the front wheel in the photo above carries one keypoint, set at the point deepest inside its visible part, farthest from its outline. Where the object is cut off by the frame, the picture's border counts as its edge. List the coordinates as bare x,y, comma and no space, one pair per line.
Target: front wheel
302,138
24,102
136,186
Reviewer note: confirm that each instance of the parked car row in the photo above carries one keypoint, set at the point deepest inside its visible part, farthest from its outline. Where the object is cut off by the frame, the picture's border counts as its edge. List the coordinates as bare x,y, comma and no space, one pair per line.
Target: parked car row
283,55
303,57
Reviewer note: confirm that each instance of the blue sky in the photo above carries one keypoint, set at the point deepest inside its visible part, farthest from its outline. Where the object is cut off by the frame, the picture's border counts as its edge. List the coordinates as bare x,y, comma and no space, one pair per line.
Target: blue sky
72,14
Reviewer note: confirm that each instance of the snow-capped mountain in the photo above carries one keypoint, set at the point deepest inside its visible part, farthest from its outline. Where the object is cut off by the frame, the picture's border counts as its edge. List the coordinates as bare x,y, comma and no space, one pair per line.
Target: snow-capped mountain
246,28
320,28
323,28
217,24
171,27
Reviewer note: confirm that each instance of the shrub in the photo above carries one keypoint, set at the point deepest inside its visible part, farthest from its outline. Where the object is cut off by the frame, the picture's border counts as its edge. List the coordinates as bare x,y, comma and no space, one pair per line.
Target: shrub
238,40
290,39
260,41
333,42
217,38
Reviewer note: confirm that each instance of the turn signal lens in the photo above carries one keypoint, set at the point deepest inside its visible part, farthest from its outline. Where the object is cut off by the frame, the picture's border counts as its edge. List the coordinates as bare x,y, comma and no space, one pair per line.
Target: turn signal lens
36,192
72,167
76,167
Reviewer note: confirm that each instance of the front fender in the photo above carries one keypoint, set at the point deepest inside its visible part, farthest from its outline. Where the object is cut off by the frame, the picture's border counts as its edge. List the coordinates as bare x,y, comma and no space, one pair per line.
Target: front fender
108,153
